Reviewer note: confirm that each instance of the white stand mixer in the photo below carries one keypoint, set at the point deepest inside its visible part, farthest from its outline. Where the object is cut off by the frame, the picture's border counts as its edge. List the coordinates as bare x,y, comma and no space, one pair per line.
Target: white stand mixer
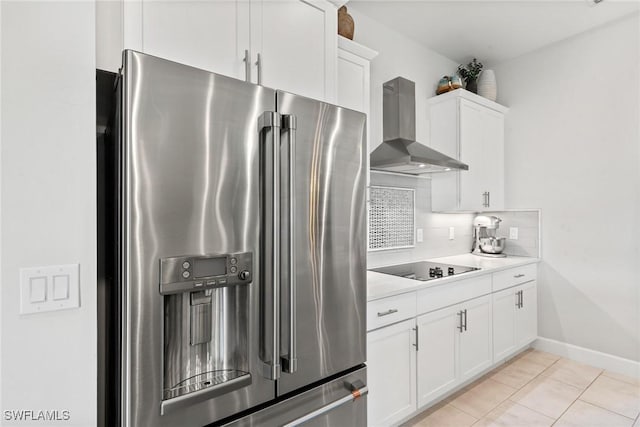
485,242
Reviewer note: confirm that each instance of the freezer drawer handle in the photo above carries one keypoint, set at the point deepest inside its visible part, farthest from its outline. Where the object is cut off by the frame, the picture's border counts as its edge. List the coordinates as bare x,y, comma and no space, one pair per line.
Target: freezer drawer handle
358,389
269,132
388,312
290,360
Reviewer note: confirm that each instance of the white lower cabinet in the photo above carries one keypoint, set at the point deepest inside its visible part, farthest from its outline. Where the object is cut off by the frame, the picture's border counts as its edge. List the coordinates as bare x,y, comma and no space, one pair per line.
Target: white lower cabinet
391,360
475,338
527,314
438,353
465,329
504,323
454,345
515,319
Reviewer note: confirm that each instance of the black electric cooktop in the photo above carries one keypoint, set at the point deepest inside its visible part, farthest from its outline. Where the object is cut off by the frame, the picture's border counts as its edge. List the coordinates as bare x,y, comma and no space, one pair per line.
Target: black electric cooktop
424,270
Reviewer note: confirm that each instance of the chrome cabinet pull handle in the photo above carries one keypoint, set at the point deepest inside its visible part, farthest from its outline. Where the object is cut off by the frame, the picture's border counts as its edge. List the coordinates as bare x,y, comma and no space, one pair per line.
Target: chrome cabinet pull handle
517,276
465,319
460,325
259,65
388,312
416,345
269,128
522,299
247,66
290,361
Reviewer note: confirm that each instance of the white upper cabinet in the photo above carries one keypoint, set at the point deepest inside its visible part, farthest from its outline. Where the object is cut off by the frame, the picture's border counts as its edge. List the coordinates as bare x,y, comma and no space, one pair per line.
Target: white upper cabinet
470,128
354,75
286,44
297,44
204,34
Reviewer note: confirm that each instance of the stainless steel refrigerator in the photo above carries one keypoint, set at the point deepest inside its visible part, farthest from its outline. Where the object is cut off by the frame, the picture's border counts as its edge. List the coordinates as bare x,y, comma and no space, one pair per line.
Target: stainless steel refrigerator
240,253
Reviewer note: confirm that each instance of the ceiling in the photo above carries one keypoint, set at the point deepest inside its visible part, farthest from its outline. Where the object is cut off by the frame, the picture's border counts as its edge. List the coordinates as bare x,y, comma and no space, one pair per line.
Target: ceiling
492,31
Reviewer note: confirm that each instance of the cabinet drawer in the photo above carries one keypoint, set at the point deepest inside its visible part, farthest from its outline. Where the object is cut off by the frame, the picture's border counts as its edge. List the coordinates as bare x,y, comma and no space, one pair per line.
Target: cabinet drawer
453,293
514,276
390,310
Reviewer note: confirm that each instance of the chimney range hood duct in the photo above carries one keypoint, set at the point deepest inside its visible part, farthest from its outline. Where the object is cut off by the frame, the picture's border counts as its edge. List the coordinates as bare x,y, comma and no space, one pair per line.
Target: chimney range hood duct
400,152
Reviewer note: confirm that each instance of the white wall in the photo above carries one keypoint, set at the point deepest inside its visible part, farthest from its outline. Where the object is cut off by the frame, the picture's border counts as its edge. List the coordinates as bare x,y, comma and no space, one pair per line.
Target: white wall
399,56
109,35
48,199
572,149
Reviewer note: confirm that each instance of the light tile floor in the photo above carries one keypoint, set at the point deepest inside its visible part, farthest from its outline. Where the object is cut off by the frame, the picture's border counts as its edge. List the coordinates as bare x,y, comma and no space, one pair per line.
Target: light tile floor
538,389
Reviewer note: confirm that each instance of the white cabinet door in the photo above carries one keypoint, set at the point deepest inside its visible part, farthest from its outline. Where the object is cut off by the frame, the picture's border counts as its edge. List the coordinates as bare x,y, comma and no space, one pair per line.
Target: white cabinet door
493,158
353,81
472,152
470,128
437,354
391,360
297,43
476,350
504,324
207,34
527,314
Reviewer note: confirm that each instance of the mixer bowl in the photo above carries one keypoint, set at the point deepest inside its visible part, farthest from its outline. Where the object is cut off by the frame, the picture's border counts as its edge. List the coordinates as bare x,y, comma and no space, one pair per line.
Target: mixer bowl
492,245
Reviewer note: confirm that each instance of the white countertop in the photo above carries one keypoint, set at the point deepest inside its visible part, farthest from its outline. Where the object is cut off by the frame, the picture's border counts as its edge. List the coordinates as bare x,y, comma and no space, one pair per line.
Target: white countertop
381,285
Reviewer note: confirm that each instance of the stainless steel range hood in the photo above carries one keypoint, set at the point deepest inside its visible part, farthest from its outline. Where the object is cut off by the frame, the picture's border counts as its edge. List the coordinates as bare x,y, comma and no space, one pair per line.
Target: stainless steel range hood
400,152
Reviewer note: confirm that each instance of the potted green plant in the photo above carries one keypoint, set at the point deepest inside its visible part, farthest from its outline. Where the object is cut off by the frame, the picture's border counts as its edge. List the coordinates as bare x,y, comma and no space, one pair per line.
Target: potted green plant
470,73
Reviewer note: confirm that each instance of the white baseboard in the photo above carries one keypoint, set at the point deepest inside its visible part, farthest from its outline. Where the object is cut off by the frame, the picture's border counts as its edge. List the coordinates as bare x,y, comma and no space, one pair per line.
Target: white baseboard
598,359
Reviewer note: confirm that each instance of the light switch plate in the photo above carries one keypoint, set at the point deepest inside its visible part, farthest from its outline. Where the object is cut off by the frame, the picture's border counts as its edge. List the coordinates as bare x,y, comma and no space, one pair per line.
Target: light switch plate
419,235
50,288
513,233
452,233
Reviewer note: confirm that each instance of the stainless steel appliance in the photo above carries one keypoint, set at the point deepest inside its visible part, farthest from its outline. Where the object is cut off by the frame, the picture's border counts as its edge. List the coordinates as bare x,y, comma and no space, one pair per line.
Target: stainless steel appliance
399,151
424,270
240,260
485,242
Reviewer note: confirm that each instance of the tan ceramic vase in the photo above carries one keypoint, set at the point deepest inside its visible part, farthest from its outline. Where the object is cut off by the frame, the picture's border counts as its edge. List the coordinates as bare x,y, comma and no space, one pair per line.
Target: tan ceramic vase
345,23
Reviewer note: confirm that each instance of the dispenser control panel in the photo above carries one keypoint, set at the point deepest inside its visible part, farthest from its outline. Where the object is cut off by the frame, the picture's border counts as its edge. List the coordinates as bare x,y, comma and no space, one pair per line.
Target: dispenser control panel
197,272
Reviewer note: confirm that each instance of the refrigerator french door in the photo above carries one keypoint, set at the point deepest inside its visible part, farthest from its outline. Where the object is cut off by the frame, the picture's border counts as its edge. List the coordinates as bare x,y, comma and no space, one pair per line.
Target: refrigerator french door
240,252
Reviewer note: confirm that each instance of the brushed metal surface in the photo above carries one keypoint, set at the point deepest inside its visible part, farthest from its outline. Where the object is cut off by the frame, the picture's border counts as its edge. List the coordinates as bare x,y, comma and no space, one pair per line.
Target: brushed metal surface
329,239
189,173
399,151
352,414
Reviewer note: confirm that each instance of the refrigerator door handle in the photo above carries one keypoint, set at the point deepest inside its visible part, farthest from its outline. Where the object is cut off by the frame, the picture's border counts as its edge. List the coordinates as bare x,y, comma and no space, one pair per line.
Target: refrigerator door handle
290,361
269,130
358,389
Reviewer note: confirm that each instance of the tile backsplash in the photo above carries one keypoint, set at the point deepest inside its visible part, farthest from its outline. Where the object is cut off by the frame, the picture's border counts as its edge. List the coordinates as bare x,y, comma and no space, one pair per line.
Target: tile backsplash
391,217
436,227
528,224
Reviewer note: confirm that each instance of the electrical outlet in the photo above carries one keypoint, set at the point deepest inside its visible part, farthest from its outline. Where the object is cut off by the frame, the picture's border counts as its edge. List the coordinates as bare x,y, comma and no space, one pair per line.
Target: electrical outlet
452,233
419,236
513,233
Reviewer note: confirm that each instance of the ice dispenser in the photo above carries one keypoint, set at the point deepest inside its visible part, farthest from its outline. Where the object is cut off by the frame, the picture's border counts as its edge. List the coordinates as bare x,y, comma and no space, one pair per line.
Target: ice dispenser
206,314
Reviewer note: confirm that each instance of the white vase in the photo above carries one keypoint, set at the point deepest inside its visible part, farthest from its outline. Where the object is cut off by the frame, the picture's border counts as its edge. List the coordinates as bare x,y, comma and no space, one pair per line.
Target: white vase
487,86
